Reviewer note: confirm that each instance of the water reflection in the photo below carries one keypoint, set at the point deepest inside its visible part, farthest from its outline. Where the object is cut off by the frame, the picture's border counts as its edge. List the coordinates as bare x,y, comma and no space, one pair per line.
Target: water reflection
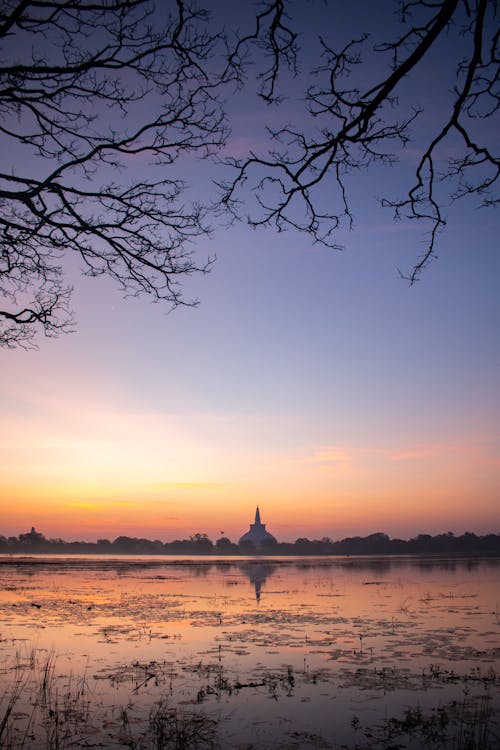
258,573
336,643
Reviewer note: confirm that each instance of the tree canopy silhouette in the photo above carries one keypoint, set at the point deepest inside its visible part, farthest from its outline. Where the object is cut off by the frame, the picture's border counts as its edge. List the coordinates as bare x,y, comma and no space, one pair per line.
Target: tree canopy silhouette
199,544
100,98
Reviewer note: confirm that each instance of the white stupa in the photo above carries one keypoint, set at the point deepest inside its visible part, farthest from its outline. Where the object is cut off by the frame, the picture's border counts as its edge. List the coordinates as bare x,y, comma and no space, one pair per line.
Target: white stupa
257,533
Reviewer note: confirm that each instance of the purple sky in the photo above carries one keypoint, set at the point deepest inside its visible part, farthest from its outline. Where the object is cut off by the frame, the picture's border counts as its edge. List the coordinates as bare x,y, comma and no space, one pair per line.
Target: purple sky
314,383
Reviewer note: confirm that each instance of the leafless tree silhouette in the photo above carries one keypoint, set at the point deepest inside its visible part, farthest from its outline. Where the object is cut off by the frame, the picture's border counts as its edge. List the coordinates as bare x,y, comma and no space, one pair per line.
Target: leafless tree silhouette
351,128
100,98
93,95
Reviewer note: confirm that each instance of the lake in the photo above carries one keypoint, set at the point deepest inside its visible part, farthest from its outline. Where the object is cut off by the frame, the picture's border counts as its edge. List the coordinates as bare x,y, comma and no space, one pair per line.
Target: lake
249,653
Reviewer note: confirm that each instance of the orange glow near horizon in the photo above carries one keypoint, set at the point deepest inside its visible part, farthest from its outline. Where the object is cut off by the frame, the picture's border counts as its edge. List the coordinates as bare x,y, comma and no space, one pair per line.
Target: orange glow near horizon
315,383
108,487
94,451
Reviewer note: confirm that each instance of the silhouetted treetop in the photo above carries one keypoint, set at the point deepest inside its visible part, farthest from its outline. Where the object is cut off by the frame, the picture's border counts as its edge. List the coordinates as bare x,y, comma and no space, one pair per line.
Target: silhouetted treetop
379,543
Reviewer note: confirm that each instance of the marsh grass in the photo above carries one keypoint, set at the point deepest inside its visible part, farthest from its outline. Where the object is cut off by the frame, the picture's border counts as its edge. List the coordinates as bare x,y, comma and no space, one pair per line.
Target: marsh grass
48,712
459,725
8,703
168,728
170,668
172,729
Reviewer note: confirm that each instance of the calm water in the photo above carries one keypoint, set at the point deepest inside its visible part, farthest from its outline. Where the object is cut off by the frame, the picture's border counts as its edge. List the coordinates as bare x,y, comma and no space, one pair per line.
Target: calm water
249,653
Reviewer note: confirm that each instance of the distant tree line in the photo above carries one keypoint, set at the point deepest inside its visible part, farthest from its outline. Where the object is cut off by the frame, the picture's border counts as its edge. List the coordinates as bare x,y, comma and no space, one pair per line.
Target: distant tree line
199,544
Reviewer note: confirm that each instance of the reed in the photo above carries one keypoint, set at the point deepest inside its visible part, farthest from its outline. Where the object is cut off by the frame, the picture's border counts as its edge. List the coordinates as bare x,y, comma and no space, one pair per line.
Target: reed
44,711
171,729
459,725
8,702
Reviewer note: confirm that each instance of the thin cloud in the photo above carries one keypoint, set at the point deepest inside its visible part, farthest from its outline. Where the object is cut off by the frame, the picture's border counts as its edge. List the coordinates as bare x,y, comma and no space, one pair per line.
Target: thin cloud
190,485
427,451
329,455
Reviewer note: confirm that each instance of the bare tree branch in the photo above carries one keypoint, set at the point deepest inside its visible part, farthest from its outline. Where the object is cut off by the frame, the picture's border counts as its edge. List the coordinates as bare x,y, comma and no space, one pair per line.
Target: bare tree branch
87,89
99,99
351,128
273,35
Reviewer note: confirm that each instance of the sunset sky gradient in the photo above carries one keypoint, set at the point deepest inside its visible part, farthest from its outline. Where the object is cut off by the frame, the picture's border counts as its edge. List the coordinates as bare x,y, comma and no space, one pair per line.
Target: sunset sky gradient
314,383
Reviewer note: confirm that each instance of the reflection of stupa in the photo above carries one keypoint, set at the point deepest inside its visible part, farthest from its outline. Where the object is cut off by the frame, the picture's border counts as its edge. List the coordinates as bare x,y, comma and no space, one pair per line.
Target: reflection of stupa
257,533
258,573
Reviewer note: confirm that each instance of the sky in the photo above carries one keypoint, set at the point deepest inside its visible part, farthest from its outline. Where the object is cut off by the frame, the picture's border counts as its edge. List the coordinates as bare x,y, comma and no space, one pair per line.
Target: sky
314,383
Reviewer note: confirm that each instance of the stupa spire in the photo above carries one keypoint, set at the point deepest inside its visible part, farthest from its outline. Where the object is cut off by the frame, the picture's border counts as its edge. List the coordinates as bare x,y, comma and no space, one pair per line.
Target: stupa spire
257,533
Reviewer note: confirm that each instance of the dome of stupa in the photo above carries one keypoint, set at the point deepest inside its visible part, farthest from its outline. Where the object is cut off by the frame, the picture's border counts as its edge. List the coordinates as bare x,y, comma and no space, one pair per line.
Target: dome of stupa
257,533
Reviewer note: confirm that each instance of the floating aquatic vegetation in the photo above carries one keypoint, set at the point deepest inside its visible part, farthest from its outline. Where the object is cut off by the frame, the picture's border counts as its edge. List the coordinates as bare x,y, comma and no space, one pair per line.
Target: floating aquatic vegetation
150,655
